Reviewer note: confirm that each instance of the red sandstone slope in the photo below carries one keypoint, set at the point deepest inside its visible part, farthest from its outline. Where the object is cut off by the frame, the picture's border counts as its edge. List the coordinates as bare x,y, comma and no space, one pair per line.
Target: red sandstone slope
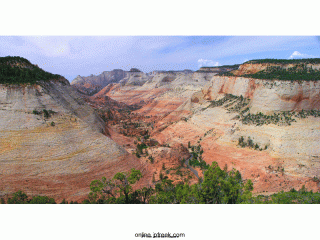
172,118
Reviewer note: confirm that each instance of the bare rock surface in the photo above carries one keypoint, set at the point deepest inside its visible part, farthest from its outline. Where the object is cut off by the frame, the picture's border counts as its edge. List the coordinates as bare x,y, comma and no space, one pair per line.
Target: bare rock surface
58,155
267,96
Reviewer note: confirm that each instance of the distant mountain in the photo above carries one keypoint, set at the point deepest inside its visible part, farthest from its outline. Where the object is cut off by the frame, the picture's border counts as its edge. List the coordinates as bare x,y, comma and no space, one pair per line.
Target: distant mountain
93,84
219,69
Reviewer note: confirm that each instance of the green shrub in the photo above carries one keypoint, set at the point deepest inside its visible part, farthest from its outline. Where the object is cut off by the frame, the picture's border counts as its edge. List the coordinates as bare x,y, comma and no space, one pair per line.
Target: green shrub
46,113
36,112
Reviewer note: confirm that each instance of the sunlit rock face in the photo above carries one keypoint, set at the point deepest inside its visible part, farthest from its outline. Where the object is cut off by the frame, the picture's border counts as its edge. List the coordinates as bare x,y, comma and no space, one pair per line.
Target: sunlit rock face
92,84
53,142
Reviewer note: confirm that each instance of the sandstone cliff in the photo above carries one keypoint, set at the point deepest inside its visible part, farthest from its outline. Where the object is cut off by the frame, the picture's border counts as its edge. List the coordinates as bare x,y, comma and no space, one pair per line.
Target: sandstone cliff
53,142
267,96
92,84
134,78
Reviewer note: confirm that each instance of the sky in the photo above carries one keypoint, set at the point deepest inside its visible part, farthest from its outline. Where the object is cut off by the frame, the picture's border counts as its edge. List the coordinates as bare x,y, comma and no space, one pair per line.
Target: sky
85,55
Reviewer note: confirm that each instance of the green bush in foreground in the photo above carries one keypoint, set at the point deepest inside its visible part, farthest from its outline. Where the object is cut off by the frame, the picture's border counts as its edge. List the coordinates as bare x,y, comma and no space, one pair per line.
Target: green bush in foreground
218,186
292,197
22,198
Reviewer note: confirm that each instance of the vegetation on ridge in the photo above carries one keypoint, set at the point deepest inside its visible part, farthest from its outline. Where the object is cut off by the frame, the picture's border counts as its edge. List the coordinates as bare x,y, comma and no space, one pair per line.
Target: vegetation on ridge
298,72
18,70
301,70
284,61
240,105
223,66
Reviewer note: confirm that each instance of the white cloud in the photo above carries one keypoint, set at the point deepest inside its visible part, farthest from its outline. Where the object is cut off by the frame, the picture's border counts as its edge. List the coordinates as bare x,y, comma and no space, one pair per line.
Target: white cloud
207,63
297,54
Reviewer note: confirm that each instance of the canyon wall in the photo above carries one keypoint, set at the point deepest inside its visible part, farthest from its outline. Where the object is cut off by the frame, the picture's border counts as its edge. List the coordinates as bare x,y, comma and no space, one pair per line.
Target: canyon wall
267,96
56,155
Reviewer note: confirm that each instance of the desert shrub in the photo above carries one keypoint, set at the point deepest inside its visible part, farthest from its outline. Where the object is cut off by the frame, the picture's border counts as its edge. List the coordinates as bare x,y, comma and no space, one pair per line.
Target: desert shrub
151,159
36,112
46,113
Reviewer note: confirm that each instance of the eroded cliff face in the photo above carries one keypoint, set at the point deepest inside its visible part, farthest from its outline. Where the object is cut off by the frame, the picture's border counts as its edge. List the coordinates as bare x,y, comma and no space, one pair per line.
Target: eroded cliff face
134,79
267,96
93,84
251,68
57,154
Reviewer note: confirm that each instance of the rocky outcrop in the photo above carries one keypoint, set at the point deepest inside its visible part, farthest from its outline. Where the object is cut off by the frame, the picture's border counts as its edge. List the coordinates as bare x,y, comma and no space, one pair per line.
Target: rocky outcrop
134,78
93,84
267,96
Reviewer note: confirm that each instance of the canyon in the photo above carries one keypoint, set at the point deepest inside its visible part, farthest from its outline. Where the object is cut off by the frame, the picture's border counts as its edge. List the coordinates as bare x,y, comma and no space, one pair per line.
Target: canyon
57,137
176,109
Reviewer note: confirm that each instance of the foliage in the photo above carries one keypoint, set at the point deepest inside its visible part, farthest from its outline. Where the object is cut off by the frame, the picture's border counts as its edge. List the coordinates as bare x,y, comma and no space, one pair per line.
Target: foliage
224,66
218,186
116,190
36,112
249,143
196,159
14,60
151,159
226,99
140,147
17,70
163,166
22,198
284,118
299,72
240,105
46,113
226,74
292,197
42,200
18,198
285,61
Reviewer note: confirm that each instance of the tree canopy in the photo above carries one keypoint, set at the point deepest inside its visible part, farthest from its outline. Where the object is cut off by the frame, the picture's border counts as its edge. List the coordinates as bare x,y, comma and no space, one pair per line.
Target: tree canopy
17,70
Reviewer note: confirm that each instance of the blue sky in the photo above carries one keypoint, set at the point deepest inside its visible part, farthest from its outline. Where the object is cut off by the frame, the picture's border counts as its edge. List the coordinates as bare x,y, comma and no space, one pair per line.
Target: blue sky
84,55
